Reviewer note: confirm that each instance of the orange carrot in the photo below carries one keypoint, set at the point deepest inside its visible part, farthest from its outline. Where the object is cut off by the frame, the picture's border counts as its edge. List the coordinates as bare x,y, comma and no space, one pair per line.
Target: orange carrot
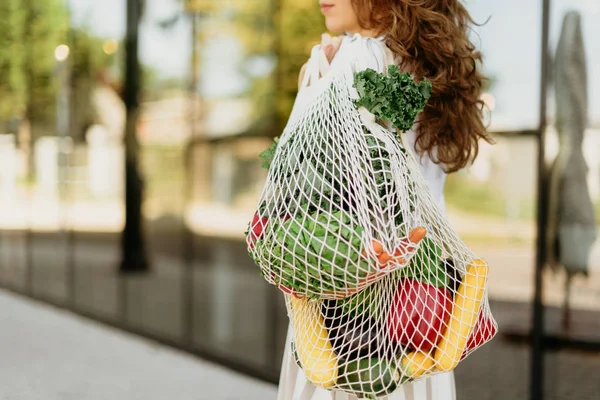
400,260
384,258
414,237
377,246
400,250
417,234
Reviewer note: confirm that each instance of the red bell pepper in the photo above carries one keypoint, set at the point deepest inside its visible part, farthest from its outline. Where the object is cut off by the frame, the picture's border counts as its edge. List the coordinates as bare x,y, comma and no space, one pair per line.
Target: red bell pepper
483,331
419,314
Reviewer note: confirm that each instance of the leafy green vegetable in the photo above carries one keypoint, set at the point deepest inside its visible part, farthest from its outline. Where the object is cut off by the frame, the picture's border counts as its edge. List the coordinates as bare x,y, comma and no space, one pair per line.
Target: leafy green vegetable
427,265
366,302
323,249
379,161
267,155
395,97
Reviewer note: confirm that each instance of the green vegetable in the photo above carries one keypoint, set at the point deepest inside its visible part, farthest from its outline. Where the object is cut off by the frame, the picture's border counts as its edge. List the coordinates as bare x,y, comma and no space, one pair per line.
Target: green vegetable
367,302
369,377
295,354
394,97
323,249
267,155
379,161
427,265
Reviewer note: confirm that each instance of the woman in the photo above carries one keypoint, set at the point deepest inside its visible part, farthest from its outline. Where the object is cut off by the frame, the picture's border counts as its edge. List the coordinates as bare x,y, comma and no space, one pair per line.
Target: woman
429,39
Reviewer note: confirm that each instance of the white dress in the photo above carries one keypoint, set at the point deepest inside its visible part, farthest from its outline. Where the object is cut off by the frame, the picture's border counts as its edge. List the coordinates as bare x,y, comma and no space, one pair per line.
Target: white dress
293,384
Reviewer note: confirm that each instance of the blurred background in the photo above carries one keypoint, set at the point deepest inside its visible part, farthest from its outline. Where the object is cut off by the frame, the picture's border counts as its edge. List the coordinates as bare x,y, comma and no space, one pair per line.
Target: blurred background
129,170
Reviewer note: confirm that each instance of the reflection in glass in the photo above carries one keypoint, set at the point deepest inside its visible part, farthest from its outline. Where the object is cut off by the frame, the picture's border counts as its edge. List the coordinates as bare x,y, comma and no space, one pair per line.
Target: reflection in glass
572,224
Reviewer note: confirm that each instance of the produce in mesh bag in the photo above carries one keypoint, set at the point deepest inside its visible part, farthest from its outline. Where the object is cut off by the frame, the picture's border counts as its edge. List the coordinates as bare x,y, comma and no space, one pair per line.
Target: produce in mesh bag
405,327
379,288
336,212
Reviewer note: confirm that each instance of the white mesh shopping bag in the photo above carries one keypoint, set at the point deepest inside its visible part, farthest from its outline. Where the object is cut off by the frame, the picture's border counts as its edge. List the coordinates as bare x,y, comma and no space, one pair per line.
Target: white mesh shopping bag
379,288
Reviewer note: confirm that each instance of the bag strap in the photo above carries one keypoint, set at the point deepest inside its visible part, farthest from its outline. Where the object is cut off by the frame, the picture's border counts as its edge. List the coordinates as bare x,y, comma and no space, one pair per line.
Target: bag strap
316,66
382,54
309,72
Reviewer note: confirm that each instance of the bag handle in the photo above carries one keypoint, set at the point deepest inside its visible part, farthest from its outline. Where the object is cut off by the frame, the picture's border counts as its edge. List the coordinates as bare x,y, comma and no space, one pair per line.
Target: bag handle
316,66
382,54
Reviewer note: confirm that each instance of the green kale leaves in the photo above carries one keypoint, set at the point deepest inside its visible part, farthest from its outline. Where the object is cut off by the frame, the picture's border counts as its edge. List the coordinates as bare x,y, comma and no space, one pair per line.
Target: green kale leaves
266,157
394,97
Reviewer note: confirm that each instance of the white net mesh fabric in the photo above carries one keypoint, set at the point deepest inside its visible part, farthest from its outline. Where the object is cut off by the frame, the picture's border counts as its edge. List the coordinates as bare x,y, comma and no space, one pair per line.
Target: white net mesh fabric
397,330
380,289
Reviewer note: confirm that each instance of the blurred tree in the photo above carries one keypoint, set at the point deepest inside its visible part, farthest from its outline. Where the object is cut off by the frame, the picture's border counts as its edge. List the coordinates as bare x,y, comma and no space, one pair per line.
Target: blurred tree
285,31
280,32
45,28
91,58
300,27
254,24
13,87
273,33
90,54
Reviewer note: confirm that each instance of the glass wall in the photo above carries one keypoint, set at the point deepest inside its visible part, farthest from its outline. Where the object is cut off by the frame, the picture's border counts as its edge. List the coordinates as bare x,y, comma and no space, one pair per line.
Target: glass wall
492,203
95,203
216,83
572,281
206,108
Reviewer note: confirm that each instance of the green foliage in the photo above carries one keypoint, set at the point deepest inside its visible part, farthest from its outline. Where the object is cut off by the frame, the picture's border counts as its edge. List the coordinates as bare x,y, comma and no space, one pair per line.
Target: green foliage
12,59
314,253
88,56
301,25
426,265
268,155
251,21
46,27
277,31
31,31
394,97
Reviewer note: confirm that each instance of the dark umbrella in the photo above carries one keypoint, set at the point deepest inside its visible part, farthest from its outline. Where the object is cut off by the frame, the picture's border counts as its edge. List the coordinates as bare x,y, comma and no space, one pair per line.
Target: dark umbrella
572,225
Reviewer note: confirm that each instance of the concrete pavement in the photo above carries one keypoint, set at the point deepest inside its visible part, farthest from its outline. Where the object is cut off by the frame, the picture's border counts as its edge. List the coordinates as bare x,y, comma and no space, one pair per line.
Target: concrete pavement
49,354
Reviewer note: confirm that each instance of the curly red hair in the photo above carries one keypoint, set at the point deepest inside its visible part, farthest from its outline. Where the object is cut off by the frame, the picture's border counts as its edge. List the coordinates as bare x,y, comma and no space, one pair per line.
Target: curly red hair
431,38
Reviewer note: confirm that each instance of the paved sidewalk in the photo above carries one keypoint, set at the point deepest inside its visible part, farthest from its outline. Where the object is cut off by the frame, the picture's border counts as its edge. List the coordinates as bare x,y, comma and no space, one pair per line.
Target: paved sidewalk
49,354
